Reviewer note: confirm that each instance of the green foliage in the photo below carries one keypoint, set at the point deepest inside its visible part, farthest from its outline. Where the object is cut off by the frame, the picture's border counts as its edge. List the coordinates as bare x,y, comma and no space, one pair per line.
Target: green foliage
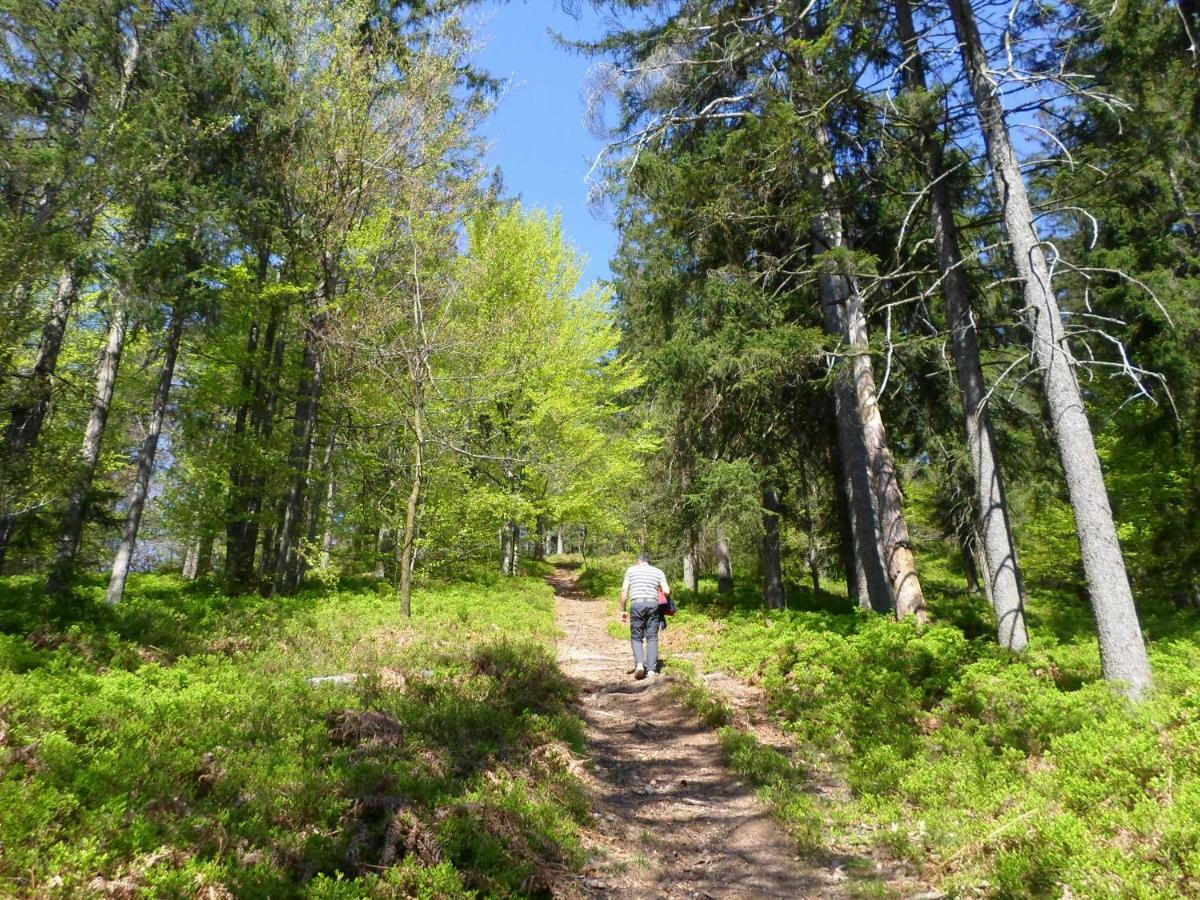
176,744
999,775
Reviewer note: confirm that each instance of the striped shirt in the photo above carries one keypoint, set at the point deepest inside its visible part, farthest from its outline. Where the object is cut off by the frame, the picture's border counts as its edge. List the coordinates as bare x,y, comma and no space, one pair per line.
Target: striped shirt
642,582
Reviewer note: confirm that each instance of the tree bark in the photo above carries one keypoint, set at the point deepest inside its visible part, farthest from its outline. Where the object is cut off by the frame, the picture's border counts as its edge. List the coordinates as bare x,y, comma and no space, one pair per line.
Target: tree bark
1122,648
75,514
317,509
724,562
1003,572
843,302
267,395
327,532
690,582
871,584
559,541
508,548
385,549
810,532
145,466
514,542
239,557
204,554
191,558
539,546
773,590
29,413
307,406
409,543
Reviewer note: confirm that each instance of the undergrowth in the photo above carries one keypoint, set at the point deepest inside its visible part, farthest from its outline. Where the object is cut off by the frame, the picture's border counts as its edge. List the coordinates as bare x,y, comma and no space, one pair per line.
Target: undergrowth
994,775
174,747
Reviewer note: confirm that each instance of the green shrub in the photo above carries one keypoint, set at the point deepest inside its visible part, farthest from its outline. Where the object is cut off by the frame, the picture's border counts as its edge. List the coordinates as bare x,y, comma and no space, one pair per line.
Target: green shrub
174,743
1003,776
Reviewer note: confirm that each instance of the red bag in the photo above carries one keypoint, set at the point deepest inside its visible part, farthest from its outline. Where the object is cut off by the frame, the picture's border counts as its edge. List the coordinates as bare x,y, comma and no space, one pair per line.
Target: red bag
666,605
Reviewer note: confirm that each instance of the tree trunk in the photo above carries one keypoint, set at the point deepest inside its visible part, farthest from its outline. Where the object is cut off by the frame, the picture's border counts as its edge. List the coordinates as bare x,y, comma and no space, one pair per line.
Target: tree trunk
204,554
75,514
239,557
773,591
145,467
1122,648
690,582
385,549
29,413
970,569
327,532
268,548
317,509
810,532
855,391
559,541
267,396
514,543
1003,572
190,557
508,549
307,406
724,562
866,573
539,546
409,544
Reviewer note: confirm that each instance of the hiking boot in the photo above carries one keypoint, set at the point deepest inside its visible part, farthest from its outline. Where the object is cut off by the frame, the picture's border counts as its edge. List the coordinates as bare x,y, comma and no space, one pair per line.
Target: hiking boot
640,672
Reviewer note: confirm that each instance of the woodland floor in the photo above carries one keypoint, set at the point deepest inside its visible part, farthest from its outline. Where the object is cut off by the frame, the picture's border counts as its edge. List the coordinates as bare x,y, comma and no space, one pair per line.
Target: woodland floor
672,820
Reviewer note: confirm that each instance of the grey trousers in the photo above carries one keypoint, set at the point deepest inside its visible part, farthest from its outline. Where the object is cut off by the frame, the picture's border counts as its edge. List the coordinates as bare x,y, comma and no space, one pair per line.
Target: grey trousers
643,624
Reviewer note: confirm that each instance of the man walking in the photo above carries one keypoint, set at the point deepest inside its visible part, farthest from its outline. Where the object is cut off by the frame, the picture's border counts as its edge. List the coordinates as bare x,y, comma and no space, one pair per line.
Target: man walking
640,592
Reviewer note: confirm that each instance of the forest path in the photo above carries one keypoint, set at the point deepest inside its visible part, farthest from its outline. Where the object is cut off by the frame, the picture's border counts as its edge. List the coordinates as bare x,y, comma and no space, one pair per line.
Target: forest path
672,820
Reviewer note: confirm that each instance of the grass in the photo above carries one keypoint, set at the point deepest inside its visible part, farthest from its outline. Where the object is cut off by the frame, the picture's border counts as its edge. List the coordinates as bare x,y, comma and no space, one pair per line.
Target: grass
174,747
994,775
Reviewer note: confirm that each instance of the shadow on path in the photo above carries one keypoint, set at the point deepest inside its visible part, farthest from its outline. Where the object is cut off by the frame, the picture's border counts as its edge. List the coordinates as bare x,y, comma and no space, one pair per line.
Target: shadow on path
673,821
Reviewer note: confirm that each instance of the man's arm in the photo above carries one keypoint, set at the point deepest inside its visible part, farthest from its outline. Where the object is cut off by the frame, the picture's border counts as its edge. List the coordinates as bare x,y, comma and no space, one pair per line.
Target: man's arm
624,593
662,583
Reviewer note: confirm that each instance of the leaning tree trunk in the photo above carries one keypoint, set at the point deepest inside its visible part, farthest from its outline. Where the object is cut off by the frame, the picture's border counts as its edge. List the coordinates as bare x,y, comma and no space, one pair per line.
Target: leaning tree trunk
1122,649
75,514
773,591
1003,572
866,572
724,562
307,405
145,466
29,413
844,309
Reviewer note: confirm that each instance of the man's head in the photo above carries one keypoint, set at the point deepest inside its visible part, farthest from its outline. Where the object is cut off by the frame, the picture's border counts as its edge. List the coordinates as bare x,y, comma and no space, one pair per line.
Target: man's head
644,557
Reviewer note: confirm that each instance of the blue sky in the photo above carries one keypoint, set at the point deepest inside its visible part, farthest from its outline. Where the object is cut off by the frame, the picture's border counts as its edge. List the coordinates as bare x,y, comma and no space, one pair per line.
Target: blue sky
537,135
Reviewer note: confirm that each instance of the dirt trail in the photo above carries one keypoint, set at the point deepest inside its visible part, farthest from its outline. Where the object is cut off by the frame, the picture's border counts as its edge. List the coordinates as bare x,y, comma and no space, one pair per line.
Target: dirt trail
673,821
